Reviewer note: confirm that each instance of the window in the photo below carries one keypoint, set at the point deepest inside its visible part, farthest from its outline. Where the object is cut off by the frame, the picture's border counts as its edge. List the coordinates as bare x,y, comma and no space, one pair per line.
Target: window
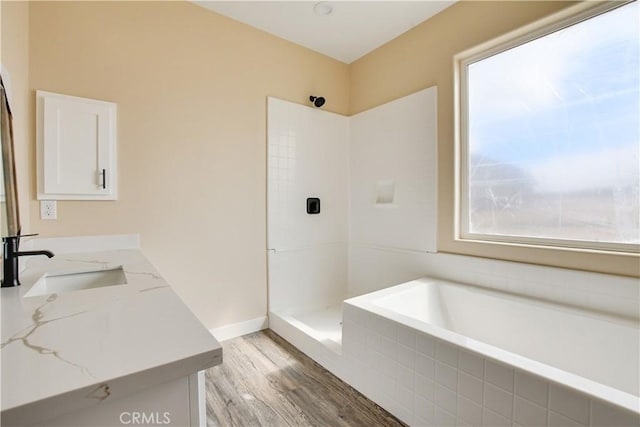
549,138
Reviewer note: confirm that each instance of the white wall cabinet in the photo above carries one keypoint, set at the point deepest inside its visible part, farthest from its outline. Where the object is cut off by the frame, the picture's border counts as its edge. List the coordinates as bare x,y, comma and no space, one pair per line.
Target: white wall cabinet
76,148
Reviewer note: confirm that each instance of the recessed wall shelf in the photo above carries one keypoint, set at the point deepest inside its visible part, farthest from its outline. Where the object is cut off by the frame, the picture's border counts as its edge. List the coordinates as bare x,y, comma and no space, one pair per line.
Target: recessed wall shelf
385,192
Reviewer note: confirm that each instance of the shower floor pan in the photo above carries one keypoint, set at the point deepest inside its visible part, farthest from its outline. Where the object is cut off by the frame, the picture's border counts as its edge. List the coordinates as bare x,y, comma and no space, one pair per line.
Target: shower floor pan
323,325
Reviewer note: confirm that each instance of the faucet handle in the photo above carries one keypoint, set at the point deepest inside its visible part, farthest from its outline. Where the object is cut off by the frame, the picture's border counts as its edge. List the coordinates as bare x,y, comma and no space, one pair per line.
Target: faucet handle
28,235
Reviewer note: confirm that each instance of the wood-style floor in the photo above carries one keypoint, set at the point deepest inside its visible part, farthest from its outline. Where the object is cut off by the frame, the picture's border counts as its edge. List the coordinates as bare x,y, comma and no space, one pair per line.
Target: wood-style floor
265,381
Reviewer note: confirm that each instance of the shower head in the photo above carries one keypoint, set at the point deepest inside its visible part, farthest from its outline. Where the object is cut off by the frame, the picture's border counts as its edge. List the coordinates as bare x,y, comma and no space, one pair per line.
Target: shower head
318,101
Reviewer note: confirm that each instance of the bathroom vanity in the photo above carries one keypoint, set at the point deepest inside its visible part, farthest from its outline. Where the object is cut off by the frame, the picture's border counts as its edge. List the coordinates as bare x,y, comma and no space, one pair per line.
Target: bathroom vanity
99,338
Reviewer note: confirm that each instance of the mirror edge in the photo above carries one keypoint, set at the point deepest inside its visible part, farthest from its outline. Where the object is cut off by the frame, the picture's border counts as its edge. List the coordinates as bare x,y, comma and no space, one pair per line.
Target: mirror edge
8,164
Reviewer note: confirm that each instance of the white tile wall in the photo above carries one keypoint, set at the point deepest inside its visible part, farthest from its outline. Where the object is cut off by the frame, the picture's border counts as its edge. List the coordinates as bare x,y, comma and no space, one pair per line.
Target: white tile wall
568,403
605,415
406,355
528,414
307,278
406,376
407,337
425,366
425,344
447,376
557,420
499,375
498,400
469,412
471,364
443,418
532,388
422,410
446,399
492,419
395,143
308,156
431,382
471,387
374,268
447,353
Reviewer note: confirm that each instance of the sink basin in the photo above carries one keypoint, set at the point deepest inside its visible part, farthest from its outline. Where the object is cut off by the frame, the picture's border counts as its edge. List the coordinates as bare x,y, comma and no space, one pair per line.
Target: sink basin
57,283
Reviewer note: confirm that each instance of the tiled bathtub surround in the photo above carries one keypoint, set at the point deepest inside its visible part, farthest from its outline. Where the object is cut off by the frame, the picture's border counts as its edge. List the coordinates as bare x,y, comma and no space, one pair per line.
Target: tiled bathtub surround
426,381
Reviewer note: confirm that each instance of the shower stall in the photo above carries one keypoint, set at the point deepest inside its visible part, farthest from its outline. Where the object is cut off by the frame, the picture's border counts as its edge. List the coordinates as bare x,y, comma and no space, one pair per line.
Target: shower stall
372,176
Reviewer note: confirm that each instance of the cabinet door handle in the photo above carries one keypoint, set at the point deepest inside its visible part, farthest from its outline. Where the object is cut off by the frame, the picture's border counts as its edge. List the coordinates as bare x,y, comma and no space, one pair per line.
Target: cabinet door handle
104,179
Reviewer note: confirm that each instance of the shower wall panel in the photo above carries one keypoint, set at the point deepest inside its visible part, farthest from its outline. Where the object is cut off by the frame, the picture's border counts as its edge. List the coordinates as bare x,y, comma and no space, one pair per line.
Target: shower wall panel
393,178
307,279
394,174
308,155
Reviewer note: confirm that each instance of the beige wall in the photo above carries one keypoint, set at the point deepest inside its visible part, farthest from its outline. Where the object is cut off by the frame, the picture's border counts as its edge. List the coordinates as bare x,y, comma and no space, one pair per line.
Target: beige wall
15,58
191,90
423,57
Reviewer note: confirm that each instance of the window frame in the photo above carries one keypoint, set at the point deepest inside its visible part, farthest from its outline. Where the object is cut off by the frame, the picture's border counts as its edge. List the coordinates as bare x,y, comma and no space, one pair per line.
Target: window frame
565,18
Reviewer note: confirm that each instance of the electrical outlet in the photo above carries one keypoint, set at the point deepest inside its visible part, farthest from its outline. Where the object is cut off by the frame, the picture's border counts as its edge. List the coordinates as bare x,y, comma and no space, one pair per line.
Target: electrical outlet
48,209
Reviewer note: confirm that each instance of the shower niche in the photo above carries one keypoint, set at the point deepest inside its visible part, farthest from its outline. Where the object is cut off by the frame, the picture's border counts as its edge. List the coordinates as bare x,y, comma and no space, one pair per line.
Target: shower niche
369,183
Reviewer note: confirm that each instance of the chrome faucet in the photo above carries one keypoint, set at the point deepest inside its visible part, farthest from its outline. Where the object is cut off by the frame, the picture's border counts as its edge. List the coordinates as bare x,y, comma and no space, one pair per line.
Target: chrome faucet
10,254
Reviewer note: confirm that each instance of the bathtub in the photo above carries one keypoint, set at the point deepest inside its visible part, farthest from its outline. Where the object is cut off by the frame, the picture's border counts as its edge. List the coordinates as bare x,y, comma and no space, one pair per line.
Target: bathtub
440,353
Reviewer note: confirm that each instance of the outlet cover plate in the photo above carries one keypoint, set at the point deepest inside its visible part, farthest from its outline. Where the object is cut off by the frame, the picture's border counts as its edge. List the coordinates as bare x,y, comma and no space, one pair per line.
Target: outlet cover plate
48,209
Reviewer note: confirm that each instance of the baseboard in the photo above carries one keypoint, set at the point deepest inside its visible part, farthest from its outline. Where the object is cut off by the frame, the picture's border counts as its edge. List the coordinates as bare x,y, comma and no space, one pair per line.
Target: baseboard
241,328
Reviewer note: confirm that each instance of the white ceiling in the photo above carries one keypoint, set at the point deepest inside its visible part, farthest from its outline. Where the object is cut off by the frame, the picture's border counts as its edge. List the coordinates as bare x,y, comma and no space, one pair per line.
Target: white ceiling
353,29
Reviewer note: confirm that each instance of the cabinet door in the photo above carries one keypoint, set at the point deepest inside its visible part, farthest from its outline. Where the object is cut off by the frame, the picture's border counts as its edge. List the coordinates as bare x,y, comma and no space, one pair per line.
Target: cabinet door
76,148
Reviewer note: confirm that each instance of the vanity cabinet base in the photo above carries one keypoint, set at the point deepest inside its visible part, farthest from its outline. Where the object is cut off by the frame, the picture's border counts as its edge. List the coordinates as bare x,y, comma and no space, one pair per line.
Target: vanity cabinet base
179,402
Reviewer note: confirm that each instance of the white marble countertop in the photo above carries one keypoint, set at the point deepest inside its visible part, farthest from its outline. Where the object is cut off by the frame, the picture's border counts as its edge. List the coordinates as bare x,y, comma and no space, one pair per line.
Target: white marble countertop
68,351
